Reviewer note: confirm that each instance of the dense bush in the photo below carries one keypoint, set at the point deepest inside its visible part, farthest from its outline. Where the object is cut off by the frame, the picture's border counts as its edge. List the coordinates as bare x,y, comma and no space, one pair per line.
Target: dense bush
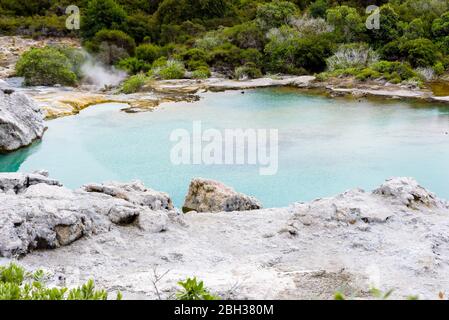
134,83
287,52
202,72
347,22
275,14
148,52
168,69
102,14
248,71
295,36
17,284
421,52
46,66
132,65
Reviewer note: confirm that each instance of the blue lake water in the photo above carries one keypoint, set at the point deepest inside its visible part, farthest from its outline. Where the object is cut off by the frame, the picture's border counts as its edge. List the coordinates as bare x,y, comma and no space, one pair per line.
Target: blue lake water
326,146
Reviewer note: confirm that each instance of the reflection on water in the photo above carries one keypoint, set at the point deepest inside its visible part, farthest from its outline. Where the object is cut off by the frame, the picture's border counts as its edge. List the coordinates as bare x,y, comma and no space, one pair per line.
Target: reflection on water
12,162
326,145
440,89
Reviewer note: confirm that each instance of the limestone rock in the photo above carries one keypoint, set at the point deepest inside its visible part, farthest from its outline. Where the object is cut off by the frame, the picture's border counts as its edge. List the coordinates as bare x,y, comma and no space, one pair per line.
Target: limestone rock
36,212
134,192
21,121
408,192
213,196
18,182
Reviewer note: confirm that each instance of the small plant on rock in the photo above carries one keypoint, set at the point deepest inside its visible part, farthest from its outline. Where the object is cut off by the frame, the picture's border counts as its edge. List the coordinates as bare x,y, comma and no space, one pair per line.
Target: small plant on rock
18,284
192,289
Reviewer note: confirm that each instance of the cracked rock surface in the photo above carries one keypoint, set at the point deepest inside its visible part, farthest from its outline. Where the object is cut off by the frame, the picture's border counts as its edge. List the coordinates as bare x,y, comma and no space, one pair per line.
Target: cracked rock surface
37,212
392,238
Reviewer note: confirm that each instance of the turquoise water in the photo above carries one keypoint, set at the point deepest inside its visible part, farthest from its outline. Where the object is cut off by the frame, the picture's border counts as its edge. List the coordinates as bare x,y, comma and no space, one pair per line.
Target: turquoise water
326,146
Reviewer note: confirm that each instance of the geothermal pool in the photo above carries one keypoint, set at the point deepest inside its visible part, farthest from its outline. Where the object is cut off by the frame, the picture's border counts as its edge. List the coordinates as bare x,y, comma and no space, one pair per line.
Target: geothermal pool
326,146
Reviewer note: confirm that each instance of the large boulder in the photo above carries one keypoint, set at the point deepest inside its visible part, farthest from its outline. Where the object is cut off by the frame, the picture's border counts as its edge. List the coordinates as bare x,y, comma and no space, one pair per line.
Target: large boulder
37,212
21,120
213,196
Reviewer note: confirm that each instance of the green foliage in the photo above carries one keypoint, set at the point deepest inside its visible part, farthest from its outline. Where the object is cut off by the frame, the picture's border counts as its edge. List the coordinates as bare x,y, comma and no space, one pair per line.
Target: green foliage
275,14
46,66
287,52
148,52
167,69
278,36
394,71
421,52
134,83
111,46
114,37
177,11
132,65
390,28
347,22
202,72
191,289
248,71
440,26
17,284
101,14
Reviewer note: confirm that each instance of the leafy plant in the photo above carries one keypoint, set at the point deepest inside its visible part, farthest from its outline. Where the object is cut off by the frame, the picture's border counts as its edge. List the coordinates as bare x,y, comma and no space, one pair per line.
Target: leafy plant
46,66
201,73
134,83
191,289
17,284
169,69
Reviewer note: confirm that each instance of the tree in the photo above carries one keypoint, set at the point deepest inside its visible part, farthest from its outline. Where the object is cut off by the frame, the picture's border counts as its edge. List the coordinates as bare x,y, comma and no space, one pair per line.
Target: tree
389,27
288,52
440,26
102,14
178,11
347,22
421,52
46,66
276,13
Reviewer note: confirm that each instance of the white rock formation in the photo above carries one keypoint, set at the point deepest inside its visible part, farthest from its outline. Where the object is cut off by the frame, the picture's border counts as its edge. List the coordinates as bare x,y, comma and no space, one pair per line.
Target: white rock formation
213,196
38,213
393,238
21,120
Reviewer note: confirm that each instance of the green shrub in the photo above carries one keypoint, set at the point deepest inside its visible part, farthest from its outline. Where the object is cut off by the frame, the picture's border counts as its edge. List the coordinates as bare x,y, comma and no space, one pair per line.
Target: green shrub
101,14
421,52
167,69
46,66
287,52
148,52
134,83
191,289
201,73
395,71
368,73
194,58
132,65
114,37
17,284
248,71
276,13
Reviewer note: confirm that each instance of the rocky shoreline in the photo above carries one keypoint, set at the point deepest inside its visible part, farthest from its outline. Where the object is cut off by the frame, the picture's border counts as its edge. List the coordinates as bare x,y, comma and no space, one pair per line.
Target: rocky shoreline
127,233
